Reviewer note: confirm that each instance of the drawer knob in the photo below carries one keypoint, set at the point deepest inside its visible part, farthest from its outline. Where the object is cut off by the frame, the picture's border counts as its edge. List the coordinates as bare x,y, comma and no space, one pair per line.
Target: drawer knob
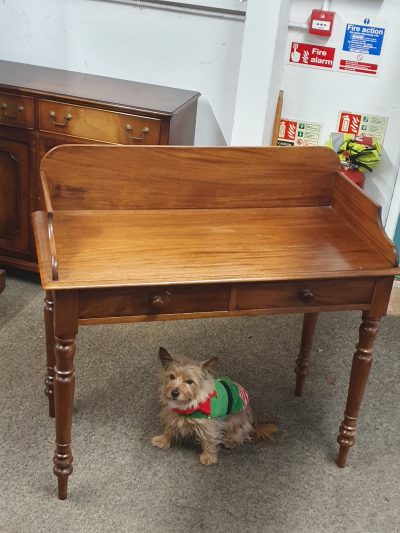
158,302
67,118
144,132
306,295
18,110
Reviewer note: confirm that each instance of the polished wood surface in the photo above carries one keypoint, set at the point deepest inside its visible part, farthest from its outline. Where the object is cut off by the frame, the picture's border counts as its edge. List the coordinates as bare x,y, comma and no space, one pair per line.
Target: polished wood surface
15,235
135,95
16,110
94,124
303,359
41,108
162,233
87,178
198,246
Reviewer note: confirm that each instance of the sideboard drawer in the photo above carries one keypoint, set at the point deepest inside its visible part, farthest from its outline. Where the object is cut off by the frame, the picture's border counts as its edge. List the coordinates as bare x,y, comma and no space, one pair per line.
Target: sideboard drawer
298,294
97,124
137,301
16,110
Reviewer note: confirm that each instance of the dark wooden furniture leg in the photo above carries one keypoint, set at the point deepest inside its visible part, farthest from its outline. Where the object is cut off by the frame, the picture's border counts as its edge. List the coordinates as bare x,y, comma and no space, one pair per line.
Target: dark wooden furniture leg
362,360
2,280
303,359
66,328
51,360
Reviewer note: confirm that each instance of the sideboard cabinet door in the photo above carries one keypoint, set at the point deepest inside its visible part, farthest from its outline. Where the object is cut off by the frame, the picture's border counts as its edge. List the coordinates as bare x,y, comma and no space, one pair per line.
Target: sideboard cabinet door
14,199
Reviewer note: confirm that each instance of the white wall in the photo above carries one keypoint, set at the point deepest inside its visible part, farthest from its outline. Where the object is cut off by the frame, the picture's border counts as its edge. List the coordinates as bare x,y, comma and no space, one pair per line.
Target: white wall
316,95
203,53
189,51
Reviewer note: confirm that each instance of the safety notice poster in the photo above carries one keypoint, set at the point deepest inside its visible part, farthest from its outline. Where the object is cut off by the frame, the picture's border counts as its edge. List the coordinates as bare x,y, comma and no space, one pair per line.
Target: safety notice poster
361,124
356,48
298,133
362,46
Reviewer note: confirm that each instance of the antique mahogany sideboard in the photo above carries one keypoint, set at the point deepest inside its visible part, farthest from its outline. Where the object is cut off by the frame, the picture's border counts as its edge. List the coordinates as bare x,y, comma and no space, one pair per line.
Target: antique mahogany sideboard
42,107
162,233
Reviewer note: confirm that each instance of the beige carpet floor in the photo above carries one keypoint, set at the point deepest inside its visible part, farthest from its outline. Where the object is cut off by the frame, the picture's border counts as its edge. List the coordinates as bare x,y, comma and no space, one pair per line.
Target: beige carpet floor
122,484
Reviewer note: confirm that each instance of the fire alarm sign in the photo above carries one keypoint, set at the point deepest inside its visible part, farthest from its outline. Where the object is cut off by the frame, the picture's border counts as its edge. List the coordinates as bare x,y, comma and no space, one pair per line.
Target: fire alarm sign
321,22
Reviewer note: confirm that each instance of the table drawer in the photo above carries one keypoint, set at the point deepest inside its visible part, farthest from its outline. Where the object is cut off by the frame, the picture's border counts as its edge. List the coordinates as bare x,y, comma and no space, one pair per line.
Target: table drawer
126,301
16,110
97,124
298,294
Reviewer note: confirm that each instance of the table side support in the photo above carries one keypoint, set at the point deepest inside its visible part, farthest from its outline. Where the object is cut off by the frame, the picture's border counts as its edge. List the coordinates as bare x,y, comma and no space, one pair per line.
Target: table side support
51,361
303,359
66,328
362,361
361,365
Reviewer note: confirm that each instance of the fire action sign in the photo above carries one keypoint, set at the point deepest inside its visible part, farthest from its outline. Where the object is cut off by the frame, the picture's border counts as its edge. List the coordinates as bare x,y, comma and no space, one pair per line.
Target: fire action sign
362,47
312,55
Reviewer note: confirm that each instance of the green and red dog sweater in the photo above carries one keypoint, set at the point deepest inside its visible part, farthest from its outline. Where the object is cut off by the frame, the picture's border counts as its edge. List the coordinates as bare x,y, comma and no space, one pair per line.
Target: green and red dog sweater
227,398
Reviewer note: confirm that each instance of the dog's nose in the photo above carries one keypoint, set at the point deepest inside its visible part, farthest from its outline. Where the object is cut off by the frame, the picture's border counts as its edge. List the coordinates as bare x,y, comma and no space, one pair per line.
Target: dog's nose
175,394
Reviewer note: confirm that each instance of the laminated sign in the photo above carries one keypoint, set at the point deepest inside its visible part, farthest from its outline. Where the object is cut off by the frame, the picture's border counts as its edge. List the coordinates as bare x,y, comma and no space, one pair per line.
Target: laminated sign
362,47
361,124
311,55
297,133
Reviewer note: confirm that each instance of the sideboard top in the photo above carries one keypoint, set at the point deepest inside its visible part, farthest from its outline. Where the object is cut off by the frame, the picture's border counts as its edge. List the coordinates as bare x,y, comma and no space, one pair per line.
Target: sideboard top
43,80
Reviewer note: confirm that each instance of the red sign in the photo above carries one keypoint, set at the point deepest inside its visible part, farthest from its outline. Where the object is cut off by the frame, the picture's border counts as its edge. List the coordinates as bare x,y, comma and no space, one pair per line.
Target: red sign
312,55
358,66
349,123
287,130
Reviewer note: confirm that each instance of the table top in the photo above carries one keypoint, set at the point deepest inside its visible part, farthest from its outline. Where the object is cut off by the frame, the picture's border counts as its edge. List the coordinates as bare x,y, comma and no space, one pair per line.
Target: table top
155,247
324,228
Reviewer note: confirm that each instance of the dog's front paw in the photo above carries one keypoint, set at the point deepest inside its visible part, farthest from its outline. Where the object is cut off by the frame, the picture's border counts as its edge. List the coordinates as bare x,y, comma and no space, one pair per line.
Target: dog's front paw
161,441
208,458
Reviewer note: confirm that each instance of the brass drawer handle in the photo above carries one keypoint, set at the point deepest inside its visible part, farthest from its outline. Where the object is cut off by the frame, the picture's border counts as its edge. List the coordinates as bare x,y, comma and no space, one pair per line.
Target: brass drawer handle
306,295
52,116
144,132
18,110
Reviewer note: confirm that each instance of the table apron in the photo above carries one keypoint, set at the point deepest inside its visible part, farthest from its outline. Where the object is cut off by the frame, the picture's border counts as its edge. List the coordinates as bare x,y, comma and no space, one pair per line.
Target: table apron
153,303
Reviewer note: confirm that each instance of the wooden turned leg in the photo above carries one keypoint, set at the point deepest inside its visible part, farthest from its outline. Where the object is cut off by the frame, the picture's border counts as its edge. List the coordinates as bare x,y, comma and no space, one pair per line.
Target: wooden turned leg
66,328
358,380
303,359
64,386
51,361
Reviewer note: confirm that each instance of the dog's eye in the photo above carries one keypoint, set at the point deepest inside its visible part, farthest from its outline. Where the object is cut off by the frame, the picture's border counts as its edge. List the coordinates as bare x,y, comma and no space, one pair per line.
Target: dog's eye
171,376
189,381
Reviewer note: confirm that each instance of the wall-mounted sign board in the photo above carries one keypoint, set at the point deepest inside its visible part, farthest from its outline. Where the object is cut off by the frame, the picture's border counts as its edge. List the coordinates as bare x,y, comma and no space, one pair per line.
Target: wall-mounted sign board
298,133
312,55
362,46
358,50
362,124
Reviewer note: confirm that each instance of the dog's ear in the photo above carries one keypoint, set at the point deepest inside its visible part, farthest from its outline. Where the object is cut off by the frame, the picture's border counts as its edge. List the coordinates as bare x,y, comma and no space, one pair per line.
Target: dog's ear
165,357
210,364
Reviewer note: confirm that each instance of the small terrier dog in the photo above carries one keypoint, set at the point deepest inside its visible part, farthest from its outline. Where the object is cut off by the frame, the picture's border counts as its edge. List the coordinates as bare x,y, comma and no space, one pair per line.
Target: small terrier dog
213,411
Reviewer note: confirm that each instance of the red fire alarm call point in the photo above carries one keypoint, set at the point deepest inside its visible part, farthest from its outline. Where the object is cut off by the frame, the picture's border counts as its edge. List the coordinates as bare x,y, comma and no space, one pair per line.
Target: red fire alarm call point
321,22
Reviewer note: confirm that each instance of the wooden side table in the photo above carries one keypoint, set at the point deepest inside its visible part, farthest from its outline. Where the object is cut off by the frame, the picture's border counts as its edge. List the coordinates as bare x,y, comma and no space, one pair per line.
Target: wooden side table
163,233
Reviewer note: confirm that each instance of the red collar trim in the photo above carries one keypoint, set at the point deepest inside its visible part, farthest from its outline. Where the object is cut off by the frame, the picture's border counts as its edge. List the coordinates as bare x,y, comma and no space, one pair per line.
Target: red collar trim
204,407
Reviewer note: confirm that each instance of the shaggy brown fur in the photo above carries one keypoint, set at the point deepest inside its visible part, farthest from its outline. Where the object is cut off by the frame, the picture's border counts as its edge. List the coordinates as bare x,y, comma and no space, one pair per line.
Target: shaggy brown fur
187,383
